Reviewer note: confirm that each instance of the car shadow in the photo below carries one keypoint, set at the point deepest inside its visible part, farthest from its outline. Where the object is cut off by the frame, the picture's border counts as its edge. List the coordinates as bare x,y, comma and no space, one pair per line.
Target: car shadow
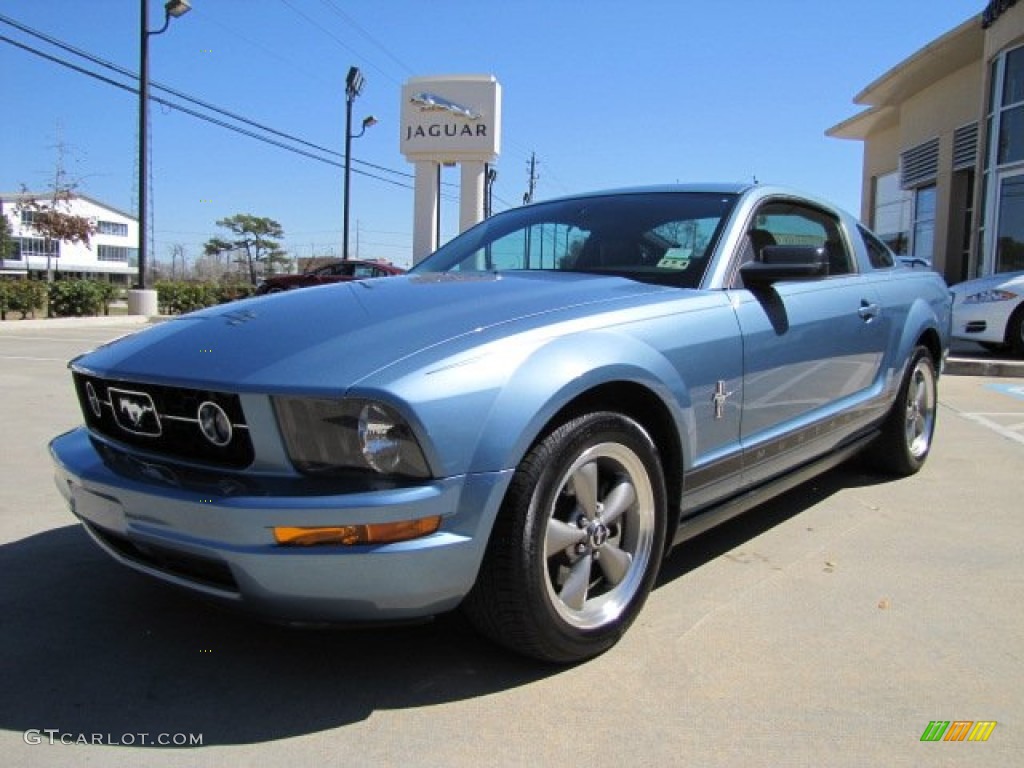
723,538
93,648
90,647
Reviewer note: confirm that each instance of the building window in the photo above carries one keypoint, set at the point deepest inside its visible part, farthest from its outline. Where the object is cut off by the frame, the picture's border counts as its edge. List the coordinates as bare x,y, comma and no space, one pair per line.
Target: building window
117,253
1004,161
1011,120
1010,235
28,218
38,247
924,223
112,228
892,215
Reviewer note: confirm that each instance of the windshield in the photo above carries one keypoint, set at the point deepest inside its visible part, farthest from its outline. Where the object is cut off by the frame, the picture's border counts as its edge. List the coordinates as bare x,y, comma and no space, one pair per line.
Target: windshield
664,237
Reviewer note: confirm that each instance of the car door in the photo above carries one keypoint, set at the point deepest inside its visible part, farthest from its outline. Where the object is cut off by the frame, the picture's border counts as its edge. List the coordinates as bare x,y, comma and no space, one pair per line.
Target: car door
812,348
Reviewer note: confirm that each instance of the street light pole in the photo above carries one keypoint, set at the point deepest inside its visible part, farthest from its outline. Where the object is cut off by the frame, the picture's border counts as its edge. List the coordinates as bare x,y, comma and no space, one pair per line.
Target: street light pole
353,87
173,8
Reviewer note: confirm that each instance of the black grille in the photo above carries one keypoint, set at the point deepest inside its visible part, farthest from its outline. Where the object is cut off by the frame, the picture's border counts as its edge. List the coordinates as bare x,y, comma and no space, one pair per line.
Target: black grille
163,420
192,567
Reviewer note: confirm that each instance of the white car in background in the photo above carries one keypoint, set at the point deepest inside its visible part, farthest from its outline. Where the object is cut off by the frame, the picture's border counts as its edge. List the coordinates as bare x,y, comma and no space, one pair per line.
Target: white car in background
990,311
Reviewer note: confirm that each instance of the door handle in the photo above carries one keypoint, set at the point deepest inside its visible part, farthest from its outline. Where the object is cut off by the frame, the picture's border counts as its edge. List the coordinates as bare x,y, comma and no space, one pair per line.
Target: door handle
868,310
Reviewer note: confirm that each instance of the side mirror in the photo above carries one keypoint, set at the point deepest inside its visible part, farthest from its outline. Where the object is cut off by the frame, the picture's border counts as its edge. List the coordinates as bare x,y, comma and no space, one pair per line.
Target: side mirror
785,262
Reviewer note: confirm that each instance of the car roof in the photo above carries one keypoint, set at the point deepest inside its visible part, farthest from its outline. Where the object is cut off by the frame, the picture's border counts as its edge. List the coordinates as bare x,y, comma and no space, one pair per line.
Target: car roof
713,188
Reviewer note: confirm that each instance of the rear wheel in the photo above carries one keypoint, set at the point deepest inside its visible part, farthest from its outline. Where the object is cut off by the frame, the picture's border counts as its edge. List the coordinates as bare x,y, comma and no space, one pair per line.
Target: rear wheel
1015,331
577,544
906,438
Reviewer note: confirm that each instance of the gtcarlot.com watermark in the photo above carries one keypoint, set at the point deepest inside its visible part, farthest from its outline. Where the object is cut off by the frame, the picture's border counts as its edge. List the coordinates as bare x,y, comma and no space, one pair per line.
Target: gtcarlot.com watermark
56,736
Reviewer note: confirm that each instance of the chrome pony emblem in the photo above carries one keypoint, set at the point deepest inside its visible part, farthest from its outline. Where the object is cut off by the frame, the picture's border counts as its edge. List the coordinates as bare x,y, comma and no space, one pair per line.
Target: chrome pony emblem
431,102
134,412
718,399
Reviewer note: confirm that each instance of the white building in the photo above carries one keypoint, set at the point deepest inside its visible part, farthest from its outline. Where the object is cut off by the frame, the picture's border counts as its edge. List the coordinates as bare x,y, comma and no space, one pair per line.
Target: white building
113,252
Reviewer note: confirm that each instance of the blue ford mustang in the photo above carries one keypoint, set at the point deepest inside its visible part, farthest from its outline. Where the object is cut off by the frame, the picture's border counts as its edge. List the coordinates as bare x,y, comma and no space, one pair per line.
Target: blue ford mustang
522,425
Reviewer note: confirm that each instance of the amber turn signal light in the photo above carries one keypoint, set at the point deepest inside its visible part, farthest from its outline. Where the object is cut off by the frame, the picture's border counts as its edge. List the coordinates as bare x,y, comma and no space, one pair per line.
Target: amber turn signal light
349,535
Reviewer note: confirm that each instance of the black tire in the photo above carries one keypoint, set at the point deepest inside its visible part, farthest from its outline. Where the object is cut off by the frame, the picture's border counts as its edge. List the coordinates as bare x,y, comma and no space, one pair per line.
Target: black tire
1015,331
906,439
577,543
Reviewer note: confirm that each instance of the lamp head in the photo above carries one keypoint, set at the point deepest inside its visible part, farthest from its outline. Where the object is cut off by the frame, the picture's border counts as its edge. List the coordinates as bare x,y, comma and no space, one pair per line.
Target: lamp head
354,82
177,8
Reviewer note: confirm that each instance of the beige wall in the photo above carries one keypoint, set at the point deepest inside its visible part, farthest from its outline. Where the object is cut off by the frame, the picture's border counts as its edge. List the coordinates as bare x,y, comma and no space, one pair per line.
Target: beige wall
936,111
881,156
1006,32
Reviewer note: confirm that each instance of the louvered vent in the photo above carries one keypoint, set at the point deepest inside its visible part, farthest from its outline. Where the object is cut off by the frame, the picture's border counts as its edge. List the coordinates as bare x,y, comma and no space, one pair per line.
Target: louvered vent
919,165
965,146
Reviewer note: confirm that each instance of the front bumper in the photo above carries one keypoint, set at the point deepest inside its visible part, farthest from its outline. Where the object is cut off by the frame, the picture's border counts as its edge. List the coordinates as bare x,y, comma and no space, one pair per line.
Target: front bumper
216,536
982,322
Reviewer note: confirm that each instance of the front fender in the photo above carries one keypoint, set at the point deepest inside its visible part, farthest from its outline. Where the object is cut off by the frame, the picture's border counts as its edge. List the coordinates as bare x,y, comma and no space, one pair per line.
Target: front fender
562,370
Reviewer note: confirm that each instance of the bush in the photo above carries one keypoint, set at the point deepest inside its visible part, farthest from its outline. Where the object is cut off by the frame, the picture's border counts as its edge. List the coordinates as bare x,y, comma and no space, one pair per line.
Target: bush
25,296
76,298
178,297
232,291
107,293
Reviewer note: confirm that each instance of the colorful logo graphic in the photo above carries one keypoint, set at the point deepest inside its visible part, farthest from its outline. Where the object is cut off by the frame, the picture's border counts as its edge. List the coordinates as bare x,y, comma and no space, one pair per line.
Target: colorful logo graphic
958,730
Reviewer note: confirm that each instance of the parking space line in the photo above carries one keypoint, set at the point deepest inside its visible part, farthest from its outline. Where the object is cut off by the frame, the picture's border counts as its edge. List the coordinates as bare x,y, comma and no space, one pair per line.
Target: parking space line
1008,432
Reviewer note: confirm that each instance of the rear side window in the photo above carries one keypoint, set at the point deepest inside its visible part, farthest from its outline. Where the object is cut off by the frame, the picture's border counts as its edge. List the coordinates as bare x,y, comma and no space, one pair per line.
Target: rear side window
878,253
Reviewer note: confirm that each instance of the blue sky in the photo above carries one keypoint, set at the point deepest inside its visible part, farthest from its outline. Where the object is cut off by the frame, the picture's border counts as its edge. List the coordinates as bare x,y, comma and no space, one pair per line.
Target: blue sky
607,94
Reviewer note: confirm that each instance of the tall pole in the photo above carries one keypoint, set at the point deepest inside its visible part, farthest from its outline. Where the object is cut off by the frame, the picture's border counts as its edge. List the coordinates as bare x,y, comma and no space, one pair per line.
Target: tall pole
350,96
143,124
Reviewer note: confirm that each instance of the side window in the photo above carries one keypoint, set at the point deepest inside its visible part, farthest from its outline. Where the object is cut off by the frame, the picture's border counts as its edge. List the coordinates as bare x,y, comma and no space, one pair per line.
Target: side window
879,255
787,223
363,270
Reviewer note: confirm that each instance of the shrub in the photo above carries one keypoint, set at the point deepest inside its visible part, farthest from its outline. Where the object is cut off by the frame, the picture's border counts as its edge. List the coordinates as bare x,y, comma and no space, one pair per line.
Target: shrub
75,298
177,298
107,292
232,291
26,296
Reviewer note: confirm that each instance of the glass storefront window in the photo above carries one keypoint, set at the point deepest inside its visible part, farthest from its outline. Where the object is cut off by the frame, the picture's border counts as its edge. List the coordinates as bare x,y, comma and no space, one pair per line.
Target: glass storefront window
1013,77
1011,135
1010,230
893,212
924,223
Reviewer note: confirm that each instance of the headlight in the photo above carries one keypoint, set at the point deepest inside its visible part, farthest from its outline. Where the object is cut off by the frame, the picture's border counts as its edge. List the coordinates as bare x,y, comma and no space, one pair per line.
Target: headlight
328,436
993,294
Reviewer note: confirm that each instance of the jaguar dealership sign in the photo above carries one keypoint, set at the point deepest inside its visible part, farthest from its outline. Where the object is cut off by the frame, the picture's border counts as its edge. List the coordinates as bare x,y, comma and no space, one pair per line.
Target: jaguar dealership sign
450,119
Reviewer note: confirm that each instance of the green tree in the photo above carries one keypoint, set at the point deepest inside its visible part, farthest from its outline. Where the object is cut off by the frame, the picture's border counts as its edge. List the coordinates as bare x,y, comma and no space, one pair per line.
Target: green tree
7,242
51,218
252,237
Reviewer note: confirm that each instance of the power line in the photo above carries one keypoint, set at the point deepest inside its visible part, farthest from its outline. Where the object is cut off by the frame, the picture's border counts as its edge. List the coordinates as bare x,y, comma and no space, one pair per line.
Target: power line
199,102
199,115
352,22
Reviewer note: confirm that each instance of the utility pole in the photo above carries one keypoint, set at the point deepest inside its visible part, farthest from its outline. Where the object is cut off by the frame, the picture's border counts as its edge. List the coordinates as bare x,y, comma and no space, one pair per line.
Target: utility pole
528,197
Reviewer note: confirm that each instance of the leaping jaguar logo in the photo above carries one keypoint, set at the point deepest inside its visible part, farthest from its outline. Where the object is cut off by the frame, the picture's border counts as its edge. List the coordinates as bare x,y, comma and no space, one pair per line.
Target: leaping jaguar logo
134,412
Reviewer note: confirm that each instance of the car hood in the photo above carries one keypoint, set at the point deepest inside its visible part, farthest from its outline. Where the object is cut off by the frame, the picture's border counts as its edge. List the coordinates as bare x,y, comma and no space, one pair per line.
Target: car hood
1006,281
325,339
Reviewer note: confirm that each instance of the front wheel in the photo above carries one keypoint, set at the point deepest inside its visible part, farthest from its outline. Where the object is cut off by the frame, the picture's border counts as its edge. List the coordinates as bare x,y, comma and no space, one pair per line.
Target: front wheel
577,543
906,438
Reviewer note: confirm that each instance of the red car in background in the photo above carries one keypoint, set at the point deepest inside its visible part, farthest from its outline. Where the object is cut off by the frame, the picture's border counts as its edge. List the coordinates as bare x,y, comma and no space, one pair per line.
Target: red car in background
338,272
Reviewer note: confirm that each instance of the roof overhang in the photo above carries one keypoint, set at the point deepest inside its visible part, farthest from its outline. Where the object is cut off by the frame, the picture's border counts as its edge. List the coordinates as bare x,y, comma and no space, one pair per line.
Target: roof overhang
864,123
942,57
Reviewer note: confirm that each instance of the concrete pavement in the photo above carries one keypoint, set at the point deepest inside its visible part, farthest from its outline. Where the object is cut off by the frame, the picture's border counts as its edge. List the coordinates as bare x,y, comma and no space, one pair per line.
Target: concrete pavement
827,627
